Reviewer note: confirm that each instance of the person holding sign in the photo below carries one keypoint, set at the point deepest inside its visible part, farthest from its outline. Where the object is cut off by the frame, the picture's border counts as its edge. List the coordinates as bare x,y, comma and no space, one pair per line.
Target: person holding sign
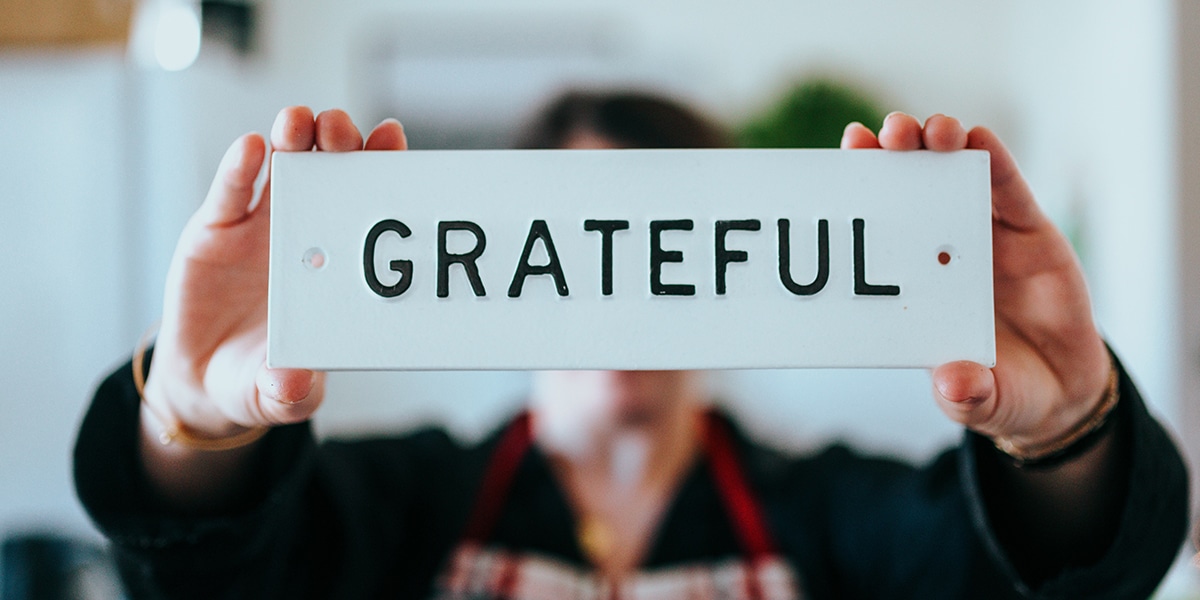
622,484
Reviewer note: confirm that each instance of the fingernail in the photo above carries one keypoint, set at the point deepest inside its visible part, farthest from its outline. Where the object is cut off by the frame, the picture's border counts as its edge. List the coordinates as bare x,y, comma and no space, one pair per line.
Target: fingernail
277,127
312,380
943,388
947,391
272,390
946,117
403,133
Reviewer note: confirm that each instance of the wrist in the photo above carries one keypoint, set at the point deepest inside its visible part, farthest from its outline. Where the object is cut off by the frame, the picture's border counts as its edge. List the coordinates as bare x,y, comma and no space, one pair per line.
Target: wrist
1074,440
168,425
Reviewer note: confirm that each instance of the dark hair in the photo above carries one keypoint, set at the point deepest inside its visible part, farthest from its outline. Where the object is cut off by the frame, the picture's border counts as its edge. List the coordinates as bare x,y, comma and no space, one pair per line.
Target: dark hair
629,119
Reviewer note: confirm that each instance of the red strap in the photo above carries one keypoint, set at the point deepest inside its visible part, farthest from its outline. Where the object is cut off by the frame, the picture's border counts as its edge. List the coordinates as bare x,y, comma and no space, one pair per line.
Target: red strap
749,521
740,501
498,478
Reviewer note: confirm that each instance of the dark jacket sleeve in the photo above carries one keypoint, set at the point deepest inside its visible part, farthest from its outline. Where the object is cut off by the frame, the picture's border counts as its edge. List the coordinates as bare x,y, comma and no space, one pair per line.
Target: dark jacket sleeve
863,527
1153,522
361,519
166,554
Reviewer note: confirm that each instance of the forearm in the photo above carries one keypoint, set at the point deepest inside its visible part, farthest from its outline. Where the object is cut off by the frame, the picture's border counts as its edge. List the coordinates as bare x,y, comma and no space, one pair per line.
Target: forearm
188,469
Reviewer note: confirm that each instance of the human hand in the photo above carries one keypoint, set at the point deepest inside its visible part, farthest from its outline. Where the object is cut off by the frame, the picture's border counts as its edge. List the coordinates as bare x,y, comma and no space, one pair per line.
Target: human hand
1051,364
209,370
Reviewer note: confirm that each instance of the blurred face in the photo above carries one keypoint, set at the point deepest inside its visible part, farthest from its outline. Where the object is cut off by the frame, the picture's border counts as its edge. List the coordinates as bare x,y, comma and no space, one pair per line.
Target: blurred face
583,139
616,398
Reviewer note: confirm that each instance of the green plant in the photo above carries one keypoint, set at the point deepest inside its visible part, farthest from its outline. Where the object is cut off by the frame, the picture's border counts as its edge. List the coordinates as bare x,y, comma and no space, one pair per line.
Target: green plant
811,114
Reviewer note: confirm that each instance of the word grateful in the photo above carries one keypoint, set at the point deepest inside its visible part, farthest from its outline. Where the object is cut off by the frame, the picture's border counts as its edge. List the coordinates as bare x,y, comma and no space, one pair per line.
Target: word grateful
539,233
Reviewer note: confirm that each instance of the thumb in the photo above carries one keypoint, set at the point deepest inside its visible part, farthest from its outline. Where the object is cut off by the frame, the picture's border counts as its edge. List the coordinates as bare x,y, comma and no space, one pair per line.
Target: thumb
284,396
232,189
966,392
1013,203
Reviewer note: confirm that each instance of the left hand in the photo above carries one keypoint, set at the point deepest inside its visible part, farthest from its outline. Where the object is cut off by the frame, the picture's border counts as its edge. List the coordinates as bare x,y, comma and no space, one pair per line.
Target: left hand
1051,364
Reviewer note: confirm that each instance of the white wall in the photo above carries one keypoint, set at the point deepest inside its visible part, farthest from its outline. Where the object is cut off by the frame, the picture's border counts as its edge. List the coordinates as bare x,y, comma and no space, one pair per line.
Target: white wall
1081,90
1097,112
63,271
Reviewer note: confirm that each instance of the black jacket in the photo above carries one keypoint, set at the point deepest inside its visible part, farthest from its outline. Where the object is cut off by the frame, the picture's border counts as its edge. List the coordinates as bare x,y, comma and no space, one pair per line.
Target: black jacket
378,518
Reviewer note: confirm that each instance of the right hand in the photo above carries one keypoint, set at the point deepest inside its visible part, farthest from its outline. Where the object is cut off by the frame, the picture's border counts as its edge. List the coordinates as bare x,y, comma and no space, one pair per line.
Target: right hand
209,368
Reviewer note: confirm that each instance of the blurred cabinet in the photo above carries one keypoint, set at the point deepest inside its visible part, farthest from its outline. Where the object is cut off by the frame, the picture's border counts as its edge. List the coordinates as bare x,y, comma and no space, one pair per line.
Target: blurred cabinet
64,22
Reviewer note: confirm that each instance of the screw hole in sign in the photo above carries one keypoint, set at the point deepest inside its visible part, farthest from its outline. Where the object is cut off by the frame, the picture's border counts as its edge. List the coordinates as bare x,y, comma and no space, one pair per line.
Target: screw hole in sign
945,255
314,258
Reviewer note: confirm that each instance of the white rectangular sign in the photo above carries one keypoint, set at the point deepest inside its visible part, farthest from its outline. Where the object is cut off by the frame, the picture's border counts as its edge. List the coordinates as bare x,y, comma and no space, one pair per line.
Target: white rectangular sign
630,259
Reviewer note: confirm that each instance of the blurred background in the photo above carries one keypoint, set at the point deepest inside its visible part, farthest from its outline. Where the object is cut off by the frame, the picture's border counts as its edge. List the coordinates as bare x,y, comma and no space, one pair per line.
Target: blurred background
114,114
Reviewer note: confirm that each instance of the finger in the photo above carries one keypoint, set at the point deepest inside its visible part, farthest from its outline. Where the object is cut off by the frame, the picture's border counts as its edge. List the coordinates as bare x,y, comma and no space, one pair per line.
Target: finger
232,188
943,134
900,132
388,135
1013,203
966,392
293,130
336,132
857,135
287,396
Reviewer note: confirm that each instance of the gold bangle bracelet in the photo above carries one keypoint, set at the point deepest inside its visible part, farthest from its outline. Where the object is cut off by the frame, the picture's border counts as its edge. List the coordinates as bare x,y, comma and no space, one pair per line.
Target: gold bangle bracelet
1092,423
176,432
